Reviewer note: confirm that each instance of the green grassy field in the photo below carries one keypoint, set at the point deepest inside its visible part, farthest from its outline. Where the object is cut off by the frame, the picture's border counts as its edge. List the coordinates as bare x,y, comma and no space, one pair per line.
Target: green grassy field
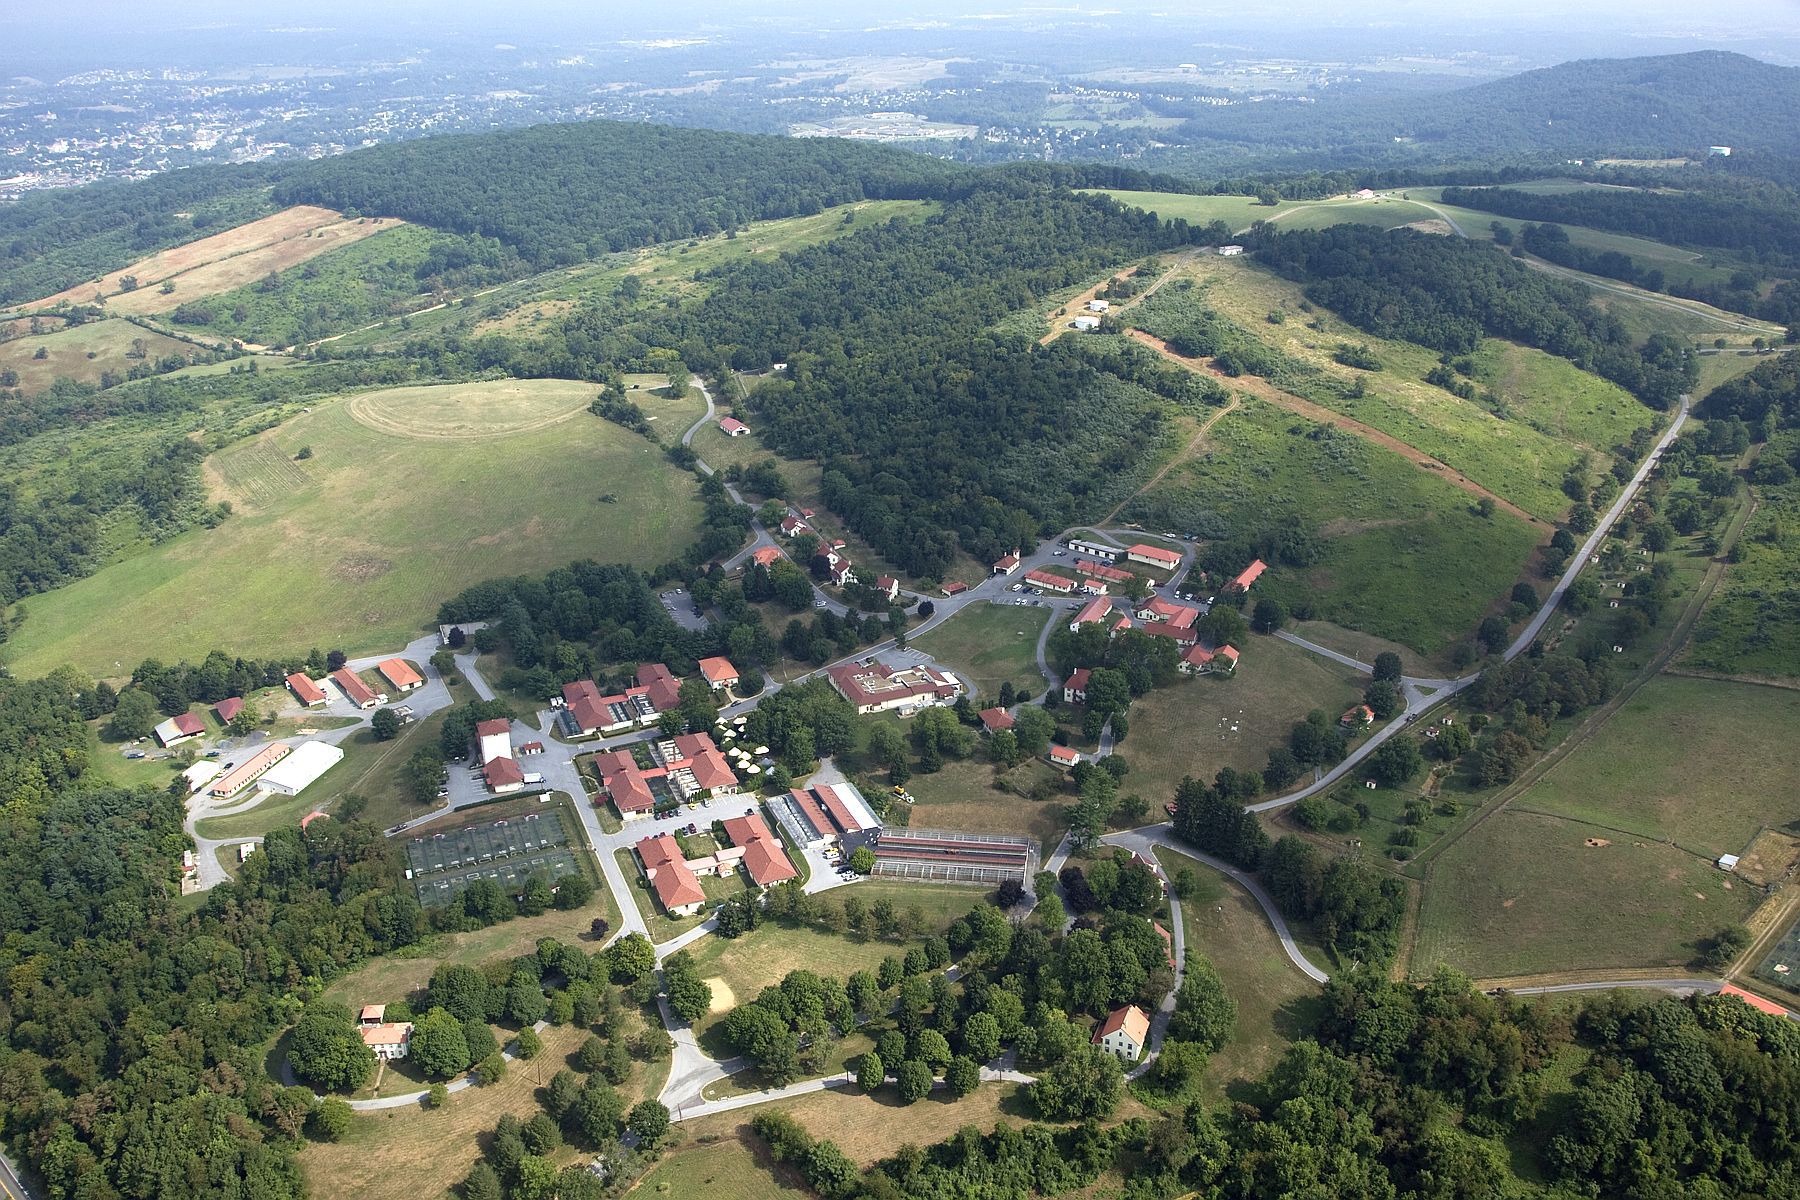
1700,762
1276,1003
963,796
81,354
1201,725
728,1169
991,644
1525,894
1403,556
409,496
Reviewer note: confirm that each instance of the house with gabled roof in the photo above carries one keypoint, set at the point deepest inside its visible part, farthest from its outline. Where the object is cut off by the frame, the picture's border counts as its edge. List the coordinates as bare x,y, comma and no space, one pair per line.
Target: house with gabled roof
1124,1032
1075,686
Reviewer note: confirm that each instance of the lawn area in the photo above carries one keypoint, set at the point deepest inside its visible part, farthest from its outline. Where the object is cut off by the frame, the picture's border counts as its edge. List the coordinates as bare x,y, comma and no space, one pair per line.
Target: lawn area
941,903
1240,212
1525,894
1403,556
735,1166
412,1152
1277,1005
82,353
1701,762
870,1127
1199,725
991,644
409,496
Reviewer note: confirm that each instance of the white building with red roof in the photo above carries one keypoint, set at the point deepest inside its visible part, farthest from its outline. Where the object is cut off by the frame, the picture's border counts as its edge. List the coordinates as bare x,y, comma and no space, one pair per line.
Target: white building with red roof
178,729
493,739
1153,556
1094,610
766,556
305,690
765,860
719,673
355,690
1006,564
1050,581
1075,686
995,719
1124,1032
503,776
1062,756
1177,616
1249,575
399,674
733,427
676,886
888,586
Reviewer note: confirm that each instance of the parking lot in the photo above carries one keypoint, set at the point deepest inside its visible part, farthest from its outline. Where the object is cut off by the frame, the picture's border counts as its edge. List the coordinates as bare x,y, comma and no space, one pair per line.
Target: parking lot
679,604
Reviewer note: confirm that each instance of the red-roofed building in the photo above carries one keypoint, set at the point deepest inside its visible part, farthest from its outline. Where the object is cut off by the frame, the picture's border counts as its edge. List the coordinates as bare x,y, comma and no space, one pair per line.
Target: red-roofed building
305,690
670,877
1200,661
502,775
388,1039
1075,686
1168,940
1187,635
955,588
1226,660
355,690
229,708
1006,564
1120,624
1177,616
626,784
1063,756
765,860
1096,570
1153,556
400,676
1249,575
733,427
181,728
841,573
1124,1032
875,688
1357,717
719,673
995,719
1754,1001
888,586
766,556
1094,610
710,772
660,686
792,526
493,739
1050,581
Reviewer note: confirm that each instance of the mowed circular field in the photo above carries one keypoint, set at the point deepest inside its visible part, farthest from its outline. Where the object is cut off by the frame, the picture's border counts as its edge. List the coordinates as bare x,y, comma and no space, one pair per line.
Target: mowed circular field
466,411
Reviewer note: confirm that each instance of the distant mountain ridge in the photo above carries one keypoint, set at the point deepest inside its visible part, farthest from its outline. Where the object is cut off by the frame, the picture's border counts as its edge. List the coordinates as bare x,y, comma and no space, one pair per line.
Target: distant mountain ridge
1672,104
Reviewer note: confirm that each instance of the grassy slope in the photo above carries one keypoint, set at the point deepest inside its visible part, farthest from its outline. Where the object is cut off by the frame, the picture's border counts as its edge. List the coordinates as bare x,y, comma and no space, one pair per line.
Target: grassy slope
991,644
1240,212
1700,762
1404,556
1558,410
82,353
1748,627
356,546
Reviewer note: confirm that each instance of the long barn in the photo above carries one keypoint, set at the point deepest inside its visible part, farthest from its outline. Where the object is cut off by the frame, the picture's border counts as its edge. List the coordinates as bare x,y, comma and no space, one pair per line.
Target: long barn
954,857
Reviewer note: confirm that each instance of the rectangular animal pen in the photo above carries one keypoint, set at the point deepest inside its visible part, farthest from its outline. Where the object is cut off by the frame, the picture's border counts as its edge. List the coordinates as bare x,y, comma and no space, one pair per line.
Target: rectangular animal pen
507,851
952,856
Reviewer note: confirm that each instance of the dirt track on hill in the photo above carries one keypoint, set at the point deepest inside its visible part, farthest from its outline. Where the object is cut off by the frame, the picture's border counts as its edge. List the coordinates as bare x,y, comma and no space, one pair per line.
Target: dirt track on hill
1186,453
1262,389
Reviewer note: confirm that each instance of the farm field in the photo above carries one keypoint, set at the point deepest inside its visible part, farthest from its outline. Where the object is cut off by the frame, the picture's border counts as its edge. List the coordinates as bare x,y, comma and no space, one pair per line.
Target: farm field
991,644
1200,725
1700,762
1553,411
1525,894
83,353
357,544
1276,1003
225,260
1403,555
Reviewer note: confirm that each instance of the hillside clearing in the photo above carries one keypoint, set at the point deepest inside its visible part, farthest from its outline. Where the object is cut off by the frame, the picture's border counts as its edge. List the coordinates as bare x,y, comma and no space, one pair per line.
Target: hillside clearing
83,353
356,545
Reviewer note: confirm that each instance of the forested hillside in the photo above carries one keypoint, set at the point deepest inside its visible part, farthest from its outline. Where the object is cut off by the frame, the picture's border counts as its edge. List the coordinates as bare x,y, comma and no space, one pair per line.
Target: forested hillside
1446,293
566,193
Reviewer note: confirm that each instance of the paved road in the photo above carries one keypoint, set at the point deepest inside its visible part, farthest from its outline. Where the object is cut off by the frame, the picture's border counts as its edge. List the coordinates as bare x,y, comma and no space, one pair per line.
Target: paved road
1418,698
1143,840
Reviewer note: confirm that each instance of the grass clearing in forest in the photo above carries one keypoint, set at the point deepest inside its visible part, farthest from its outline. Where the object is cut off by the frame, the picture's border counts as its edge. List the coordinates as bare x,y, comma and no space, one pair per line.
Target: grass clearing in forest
991,644
82,353
390,522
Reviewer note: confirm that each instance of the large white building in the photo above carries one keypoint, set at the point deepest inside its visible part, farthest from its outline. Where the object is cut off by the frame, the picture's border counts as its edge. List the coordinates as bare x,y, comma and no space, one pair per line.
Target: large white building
299,770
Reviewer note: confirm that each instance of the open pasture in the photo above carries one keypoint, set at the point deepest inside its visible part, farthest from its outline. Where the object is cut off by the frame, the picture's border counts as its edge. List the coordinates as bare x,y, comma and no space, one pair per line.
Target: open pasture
355,545
83,353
